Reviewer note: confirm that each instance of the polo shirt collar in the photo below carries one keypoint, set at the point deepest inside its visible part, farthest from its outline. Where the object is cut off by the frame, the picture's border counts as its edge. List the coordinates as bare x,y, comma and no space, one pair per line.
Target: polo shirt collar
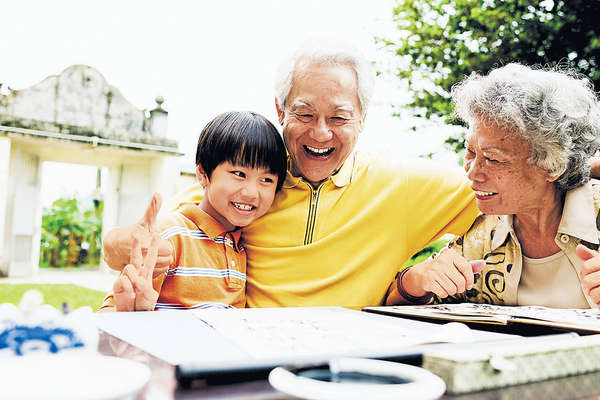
579,216
340,178
210,226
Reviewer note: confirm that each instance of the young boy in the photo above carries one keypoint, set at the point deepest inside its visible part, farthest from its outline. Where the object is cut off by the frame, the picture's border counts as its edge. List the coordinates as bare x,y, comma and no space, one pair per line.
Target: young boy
241,163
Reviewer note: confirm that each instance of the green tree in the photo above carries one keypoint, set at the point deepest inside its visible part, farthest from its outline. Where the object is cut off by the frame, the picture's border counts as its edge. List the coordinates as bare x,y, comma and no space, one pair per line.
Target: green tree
67,229
441,41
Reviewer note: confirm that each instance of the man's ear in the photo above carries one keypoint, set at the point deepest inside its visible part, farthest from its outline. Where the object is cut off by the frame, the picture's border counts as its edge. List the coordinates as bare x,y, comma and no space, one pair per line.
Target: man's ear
280,113
201,176
361,122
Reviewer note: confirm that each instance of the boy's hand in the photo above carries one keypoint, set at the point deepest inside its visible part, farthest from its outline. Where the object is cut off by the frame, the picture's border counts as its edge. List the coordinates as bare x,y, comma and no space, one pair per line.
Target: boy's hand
590,272
117,243
133,290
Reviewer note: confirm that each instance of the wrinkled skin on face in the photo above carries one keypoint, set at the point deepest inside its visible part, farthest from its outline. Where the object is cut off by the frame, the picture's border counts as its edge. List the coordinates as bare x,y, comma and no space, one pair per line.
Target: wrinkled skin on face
503,181
322,120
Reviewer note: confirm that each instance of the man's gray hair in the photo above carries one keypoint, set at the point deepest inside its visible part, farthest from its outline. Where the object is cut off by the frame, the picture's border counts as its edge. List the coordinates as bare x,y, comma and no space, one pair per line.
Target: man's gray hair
555,110
324,51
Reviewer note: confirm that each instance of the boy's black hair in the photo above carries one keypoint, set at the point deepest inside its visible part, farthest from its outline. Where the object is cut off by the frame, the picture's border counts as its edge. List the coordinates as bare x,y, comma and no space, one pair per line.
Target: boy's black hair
244,138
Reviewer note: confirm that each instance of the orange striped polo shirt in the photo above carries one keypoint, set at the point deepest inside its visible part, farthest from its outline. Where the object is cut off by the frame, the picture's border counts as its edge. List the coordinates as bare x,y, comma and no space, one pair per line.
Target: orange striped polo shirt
209,263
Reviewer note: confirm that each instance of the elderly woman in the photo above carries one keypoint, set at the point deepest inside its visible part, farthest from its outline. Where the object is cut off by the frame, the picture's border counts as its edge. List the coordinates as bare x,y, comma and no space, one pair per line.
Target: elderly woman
532,134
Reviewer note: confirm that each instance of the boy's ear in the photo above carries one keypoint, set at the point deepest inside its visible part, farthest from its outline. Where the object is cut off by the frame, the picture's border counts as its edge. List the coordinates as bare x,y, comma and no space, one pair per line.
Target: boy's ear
201,176
280,113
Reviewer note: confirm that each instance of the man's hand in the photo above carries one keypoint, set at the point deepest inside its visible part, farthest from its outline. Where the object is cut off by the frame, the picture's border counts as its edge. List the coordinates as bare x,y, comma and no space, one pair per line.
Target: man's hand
117,243
447,274
590,272
133,290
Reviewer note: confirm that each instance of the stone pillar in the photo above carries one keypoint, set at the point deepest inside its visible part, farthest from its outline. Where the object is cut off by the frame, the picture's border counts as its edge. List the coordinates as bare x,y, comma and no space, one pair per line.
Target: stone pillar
111,203
134,193
164,176
22,219
111,198
4,179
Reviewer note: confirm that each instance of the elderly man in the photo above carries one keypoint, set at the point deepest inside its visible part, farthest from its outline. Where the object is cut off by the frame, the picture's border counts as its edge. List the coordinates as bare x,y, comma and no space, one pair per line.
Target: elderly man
344,222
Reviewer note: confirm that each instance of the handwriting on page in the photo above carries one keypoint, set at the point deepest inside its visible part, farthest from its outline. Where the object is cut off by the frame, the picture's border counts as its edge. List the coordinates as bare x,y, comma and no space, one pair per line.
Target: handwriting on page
296,332
584,317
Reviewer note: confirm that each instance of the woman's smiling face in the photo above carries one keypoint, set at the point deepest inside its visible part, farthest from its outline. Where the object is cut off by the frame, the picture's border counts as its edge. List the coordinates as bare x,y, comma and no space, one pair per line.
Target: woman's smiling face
496,164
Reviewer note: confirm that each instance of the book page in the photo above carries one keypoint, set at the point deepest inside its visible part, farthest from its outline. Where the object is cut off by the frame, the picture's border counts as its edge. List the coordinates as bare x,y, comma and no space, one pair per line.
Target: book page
585,318
453,312
286,332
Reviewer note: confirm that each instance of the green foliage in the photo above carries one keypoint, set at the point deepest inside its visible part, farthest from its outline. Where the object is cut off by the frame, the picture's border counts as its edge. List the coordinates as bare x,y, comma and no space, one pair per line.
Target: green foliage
54,294
71,233
426,252
456,143
441,41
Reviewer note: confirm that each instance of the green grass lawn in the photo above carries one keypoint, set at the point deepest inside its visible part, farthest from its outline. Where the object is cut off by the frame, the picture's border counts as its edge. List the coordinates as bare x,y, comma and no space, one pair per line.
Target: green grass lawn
54,294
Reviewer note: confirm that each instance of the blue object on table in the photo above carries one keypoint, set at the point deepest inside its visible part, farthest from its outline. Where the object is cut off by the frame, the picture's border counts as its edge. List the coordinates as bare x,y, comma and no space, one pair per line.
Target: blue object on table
22,339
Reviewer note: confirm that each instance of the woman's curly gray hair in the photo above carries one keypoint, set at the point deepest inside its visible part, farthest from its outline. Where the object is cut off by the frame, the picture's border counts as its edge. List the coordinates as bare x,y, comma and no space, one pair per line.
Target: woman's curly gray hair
555,110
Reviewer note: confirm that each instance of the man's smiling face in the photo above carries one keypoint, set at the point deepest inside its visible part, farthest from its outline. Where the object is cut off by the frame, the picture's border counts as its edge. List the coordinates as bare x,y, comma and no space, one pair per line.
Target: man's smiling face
322,120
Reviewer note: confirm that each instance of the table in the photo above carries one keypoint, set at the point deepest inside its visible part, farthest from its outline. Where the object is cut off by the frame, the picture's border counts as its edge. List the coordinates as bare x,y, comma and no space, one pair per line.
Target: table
163,385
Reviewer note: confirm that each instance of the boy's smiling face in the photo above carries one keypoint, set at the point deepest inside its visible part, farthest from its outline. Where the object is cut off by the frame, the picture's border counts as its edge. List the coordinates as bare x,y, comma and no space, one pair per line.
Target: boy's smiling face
236,195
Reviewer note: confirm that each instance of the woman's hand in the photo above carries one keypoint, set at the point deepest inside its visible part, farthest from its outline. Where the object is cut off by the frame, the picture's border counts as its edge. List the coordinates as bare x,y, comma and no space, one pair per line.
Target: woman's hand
447,274
590,272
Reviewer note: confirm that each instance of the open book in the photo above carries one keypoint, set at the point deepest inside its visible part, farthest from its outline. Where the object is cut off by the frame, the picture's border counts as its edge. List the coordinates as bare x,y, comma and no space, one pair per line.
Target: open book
576,319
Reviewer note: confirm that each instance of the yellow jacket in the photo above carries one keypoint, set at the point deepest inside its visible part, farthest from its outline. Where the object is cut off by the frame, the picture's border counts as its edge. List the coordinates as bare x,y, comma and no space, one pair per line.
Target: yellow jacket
344,242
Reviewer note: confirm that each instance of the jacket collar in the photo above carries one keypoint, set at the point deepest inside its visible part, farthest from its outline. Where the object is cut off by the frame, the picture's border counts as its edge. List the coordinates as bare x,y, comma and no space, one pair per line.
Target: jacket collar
503,229
341,178
579,216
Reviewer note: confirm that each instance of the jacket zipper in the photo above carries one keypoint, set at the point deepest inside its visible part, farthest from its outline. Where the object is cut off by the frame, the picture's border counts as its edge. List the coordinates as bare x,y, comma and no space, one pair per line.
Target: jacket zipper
312,213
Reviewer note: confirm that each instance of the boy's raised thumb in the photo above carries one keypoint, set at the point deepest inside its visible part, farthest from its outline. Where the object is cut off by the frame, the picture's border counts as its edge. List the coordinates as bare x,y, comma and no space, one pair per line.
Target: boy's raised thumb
149,218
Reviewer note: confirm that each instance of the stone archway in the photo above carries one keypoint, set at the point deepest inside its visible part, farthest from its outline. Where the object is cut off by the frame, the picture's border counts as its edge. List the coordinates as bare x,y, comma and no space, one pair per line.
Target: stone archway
76,117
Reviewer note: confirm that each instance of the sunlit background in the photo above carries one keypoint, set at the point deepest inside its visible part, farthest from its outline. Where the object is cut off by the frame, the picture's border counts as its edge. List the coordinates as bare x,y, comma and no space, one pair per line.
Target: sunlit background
203,57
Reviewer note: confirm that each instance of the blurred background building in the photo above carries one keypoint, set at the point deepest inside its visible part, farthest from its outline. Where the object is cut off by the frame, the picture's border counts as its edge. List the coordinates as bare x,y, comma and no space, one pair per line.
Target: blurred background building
77,117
